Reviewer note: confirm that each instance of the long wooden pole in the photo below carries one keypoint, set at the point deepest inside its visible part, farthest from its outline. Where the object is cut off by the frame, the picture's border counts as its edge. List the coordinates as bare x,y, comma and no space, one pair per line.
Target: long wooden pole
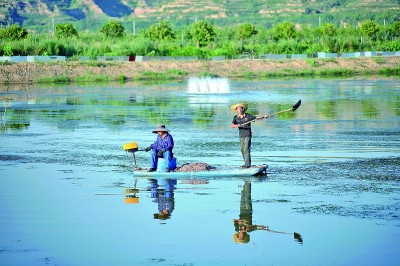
294,108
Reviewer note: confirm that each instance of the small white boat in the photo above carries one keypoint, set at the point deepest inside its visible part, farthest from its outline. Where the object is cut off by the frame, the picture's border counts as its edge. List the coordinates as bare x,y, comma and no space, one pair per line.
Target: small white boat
220,171
217,172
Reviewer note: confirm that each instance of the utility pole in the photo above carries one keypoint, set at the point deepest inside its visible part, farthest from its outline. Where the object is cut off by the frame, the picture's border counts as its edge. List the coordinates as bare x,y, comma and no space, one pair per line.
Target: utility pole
319,25
134,27
384,27
53,25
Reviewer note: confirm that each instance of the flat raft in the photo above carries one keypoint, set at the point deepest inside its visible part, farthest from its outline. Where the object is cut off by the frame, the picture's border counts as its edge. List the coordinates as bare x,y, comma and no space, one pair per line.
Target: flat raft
215,172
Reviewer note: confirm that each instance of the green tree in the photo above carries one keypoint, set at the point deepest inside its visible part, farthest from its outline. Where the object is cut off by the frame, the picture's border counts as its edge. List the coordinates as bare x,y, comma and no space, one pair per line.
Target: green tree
113,29
285,30
14,32
159,32
328,29
246,30
369,28
66,30
202,33
394,30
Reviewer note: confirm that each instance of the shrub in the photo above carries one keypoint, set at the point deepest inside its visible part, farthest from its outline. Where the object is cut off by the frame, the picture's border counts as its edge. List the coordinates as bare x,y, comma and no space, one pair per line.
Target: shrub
159,32
202,33
66,30
312,62
390,71
14,32
113,29
8,50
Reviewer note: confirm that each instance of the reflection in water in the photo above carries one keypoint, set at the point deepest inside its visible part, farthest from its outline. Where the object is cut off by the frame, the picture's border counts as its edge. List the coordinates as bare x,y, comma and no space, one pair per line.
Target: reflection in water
325,104
132,98
244,225
14,119
3,116
130,194
335,166
164,197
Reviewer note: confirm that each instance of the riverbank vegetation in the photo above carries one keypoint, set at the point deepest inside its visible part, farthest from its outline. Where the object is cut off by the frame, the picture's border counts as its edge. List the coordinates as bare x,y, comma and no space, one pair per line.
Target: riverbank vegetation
157,71
201,39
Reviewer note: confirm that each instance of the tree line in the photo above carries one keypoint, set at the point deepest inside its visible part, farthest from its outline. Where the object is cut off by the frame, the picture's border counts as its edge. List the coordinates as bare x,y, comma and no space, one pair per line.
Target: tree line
201,39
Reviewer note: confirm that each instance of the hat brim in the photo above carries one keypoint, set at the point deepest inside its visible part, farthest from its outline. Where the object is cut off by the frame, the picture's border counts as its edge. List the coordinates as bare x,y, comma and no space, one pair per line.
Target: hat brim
160,130
233,107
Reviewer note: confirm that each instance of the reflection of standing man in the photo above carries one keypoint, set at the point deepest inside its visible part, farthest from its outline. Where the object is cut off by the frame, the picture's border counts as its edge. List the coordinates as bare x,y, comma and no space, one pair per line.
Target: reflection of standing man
244,225
164,197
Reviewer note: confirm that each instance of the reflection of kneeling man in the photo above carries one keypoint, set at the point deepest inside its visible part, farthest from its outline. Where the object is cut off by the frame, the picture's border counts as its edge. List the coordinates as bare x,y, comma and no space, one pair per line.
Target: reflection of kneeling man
164,198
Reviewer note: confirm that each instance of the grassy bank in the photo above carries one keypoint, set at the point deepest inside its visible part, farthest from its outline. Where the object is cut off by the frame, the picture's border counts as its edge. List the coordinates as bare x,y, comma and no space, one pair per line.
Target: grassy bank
75,71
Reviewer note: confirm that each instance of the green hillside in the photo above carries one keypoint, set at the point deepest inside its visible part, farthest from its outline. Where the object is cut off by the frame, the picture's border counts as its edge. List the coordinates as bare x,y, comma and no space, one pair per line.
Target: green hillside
90,15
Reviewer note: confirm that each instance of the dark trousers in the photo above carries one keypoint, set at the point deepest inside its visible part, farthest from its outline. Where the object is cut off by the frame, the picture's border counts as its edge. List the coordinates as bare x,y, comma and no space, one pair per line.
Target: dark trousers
245,145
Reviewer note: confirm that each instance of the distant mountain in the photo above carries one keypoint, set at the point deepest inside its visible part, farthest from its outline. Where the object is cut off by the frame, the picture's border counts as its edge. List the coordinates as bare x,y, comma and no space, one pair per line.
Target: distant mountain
92,14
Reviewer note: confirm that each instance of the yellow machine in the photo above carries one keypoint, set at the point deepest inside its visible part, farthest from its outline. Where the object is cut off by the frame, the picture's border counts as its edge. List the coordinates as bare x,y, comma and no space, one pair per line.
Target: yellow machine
132,147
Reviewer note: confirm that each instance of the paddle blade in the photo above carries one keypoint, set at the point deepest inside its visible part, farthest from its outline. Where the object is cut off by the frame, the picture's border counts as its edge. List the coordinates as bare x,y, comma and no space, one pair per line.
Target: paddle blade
297,105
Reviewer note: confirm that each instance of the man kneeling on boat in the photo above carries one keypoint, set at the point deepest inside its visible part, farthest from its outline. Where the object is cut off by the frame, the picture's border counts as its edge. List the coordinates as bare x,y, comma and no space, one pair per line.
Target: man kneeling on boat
162,148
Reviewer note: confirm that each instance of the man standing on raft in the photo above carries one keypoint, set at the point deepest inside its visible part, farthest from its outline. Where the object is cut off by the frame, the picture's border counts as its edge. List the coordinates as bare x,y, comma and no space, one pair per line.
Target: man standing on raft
245,133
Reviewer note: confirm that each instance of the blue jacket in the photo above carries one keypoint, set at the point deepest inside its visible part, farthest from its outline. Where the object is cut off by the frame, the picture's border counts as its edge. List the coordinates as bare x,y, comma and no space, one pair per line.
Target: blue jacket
166,143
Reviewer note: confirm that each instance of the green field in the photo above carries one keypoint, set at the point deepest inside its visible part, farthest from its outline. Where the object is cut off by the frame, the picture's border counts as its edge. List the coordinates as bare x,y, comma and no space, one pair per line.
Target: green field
198,28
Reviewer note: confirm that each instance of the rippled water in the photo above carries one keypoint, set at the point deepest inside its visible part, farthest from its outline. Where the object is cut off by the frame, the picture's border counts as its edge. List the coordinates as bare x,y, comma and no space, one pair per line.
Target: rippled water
69,196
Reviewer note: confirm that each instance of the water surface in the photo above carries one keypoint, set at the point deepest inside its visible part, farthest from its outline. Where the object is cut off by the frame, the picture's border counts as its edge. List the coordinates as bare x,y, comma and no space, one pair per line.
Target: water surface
68,194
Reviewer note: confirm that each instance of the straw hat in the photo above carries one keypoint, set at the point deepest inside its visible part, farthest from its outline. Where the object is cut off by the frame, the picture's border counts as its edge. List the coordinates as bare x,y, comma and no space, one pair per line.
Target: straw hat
241,237
233,107
160,128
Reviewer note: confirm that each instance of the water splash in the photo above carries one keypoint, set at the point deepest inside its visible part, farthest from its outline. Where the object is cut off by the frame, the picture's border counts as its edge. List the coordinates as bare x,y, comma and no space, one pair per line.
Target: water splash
208,85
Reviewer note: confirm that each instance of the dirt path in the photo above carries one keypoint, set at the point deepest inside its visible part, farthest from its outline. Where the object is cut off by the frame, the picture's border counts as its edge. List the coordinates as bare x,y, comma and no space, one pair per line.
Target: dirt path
32,72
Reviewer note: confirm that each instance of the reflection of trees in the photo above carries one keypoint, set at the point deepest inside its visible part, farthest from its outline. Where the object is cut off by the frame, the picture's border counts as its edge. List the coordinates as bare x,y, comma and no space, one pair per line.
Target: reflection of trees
327,108
204,116
349,108
397,106
67,107
15,119
159,109
73,101
368,109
